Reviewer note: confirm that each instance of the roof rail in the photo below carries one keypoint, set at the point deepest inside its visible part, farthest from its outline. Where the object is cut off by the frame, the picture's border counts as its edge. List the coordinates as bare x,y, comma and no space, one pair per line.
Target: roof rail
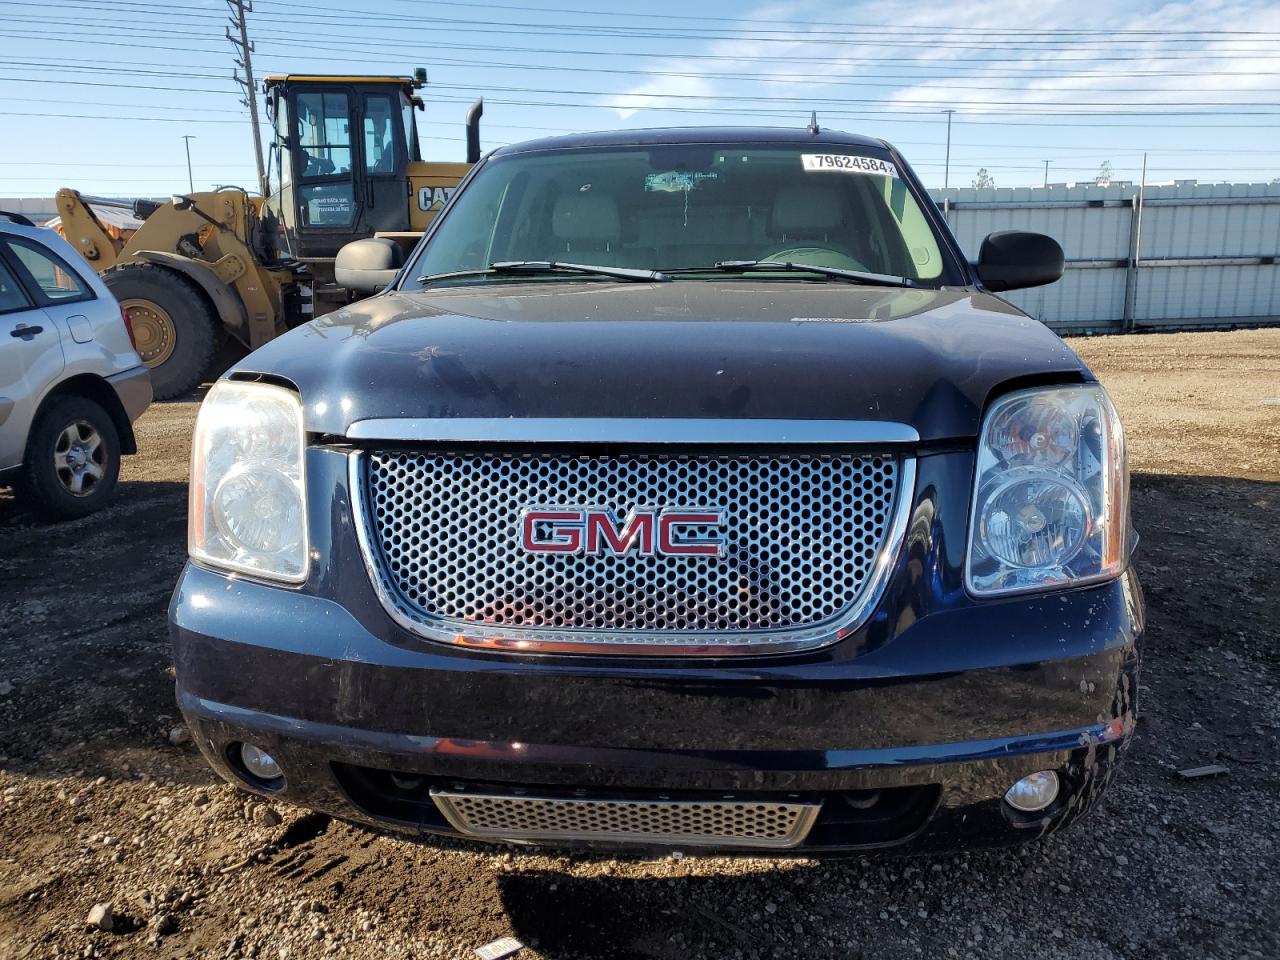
17,218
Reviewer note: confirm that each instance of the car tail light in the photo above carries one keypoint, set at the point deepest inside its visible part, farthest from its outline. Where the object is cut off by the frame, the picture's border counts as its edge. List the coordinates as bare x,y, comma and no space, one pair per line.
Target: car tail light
128,326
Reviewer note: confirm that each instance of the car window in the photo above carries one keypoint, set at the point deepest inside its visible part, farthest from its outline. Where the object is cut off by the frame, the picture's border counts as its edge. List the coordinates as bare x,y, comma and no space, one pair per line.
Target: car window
56,280
12,296
680,207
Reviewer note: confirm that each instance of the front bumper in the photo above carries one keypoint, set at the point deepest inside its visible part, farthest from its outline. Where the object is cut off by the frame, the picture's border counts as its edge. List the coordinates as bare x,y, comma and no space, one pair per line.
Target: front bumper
907,732
341,711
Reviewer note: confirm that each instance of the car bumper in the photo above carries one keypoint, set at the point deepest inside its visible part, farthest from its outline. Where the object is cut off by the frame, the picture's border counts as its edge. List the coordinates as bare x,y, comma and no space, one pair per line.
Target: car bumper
133,387
910,744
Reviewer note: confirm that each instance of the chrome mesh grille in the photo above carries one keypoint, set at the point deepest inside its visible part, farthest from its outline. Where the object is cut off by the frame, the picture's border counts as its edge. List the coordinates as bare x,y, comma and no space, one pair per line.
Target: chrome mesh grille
802,536
745,823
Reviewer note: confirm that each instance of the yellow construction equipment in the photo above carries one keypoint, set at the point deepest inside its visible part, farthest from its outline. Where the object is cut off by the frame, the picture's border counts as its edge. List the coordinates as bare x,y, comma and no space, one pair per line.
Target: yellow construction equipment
343,164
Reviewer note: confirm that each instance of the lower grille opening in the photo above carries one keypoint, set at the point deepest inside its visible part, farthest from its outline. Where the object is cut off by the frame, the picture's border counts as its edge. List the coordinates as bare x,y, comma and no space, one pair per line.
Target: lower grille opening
732,821
555,814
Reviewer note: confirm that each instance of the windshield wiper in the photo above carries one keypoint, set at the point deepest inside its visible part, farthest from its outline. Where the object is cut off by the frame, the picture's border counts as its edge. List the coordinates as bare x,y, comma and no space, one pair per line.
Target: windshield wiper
778,266
535,267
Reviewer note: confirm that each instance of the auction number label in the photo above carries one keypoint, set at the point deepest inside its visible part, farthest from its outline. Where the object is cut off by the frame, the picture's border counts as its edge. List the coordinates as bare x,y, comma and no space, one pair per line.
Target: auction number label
846,163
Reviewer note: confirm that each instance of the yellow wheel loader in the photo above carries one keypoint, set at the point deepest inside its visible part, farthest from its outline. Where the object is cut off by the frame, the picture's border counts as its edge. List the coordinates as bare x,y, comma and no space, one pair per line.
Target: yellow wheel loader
344,164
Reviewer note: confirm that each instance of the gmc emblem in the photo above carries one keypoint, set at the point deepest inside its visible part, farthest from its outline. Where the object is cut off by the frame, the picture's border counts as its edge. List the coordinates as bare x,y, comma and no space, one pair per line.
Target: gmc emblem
647,531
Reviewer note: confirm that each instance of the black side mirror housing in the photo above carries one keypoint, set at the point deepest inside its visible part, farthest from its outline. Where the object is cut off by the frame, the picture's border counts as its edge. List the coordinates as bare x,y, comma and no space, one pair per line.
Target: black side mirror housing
368,265
1014,259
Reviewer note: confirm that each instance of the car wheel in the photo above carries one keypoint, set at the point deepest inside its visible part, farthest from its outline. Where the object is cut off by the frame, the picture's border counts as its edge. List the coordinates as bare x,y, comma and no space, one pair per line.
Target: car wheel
72,460
173,326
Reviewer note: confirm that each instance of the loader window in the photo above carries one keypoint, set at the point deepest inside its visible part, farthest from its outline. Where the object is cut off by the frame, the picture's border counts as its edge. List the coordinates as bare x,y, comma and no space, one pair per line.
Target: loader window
284,168
322,159
379,135
410,130
324,133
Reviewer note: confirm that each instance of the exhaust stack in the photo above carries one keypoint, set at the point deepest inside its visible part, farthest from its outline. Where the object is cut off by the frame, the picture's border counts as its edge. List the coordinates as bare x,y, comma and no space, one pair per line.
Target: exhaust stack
473,130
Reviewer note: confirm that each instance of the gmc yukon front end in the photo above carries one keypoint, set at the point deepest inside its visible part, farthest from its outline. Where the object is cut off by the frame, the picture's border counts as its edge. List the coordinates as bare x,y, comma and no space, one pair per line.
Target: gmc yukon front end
685,489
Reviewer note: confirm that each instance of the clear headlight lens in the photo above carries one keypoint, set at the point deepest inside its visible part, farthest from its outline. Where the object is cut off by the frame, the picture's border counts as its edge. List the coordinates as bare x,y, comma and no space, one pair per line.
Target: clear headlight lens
1051,495
248,500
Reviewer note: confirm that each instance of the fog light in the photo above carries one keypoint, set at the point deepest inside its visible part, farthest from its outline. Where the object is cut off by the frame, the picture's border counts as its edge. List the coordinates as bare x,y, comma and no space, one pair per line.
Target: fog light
1033,793
259,763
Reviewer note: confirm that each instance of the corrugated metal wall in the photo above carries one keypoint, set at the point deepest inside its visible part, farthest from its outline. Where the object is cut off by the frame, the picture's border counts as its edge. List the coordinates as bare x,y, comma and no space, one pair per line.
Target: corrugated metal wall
1207,254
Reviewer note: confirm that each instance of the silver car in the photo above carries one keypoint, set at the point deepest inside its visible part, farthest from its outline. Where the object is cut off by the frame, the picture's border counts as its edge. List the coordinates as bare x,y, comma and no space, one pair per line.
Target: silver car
71,383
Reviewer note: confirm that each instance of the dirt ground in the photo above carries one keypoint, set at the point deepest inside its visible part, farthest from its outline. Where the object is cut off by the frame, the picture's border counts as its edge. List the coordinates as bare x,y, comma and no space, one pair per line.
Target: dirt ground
97,806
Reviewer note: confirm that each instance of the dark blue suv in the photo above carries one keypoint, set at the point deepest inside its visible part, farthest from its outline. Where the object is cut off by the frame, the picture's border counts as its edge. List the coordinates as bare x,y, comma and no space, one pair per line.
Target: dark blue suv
681,488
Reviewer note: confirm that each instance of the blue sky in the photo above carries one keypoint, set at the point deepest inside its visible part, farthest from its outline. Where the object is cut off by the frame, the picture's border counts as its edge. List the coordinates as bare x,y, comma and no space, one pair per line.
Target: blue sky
97,94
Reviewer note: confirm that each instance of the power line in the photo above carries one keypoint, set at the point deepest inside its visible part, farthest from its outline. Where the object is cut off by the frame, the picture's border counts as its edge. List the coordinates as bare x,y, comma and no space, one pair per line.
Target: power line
186,108
1109,152
875,106
472,4
372,21
103,116
306,38
915,67
131,166
899,105
102,83
886,115
874,29
1020,75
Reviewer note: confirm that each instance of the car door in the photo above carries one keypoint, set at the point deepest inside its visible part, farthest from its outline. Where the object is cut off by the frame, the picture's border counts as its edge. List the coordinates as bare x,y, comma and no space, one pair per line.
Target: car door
58,287
30,358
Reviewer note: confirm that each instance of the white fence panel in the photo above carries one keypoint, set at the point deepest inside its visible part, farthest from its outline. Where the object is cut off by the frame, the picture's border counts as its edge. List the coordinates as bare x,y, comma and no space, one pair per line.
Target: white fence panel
1206,253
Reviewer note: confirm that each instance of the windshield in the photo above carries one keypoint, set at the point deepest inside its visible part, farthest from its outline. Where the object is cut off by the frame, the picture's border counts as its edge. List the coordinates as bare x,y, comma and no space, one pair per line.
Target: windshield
682,208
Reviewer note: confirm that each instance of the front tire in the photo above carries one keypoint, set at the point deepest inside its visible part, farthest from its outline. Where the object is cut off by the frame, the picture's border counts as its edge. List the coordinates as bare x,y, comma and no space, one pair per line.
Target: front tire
173,325
72,461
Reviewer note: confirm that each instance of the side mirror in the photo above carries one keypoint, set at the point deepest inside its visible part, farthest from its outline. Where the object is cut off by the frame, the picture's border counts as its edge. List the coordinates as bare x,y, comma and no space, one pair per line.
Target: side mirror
368,265
1013,259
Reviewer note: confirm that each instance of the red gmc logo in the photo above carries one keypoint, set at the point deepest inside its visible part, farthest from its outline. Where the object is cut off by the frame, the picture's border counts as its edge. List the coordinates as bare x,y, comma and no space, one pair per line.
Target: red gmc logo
594,530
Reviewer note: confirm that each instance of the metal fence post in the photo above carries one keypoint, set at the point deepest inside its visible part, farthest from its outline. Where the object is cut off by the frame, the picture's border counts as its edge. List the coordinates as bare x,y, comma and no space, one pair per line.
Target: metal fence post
1129,320
1131,271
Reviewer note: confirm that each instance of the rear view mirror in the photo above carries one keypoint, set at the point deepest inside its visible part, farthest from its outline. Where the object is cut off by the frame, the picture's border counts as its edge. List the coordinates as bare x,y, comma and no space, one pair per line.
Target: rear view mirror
1013,259
368,265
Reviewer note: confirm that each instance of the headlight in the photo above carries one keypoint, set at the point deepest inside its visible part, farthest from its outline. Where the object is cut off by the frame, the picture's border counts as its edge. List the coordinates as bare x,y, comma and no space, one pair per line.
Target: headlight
1051,493
248,499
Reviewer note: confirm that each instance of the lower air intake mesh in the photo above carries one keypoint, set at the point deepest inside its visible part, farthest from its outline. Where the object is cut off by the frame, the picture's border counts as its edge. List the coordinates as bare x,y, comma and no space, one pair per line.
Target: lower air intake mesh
744,823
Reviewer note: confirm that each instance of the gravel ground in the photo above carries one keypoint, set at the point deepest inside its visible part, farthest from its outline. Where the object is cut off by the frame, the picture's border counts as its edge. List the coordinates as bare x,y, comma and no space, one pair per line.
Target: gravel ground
102,801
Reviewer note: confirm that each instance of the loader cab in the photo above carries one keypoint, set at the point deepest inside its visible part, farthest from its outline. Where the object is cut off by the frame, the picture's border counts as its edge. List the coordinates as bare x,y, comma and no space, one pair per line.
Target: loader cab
339,162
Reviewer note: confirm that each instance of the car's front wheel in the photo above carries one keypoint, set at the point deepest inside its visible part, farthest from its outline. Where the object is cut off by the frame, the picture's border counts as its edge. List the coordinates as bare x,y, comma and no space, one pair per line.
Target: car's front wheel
72,461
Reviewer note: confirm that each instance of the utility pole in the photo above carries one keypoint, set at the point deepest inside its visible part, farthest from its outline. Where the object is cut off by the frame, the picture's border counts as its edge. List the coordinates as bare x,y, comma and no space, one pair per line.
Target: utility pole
946,168
1046,173
244,48
191,184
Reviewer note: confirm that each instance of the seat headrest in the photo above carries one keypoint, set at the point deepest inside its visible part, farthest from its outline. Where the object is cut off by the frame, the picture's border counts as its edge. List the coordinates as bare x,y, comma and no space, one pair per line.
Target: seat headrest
586,216
801,209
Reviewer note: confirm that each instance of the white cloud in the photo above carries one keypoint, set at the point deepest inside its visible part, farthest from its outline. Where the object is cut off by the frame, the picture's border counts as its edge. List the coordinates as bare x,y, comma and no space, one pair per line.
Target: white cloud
663,90
960,72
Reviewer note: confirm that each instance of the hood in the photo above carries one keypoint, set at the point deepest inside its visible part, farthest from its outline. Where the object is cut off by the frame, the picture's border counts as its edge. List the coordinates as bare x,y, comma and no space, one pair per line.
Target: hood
686,349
